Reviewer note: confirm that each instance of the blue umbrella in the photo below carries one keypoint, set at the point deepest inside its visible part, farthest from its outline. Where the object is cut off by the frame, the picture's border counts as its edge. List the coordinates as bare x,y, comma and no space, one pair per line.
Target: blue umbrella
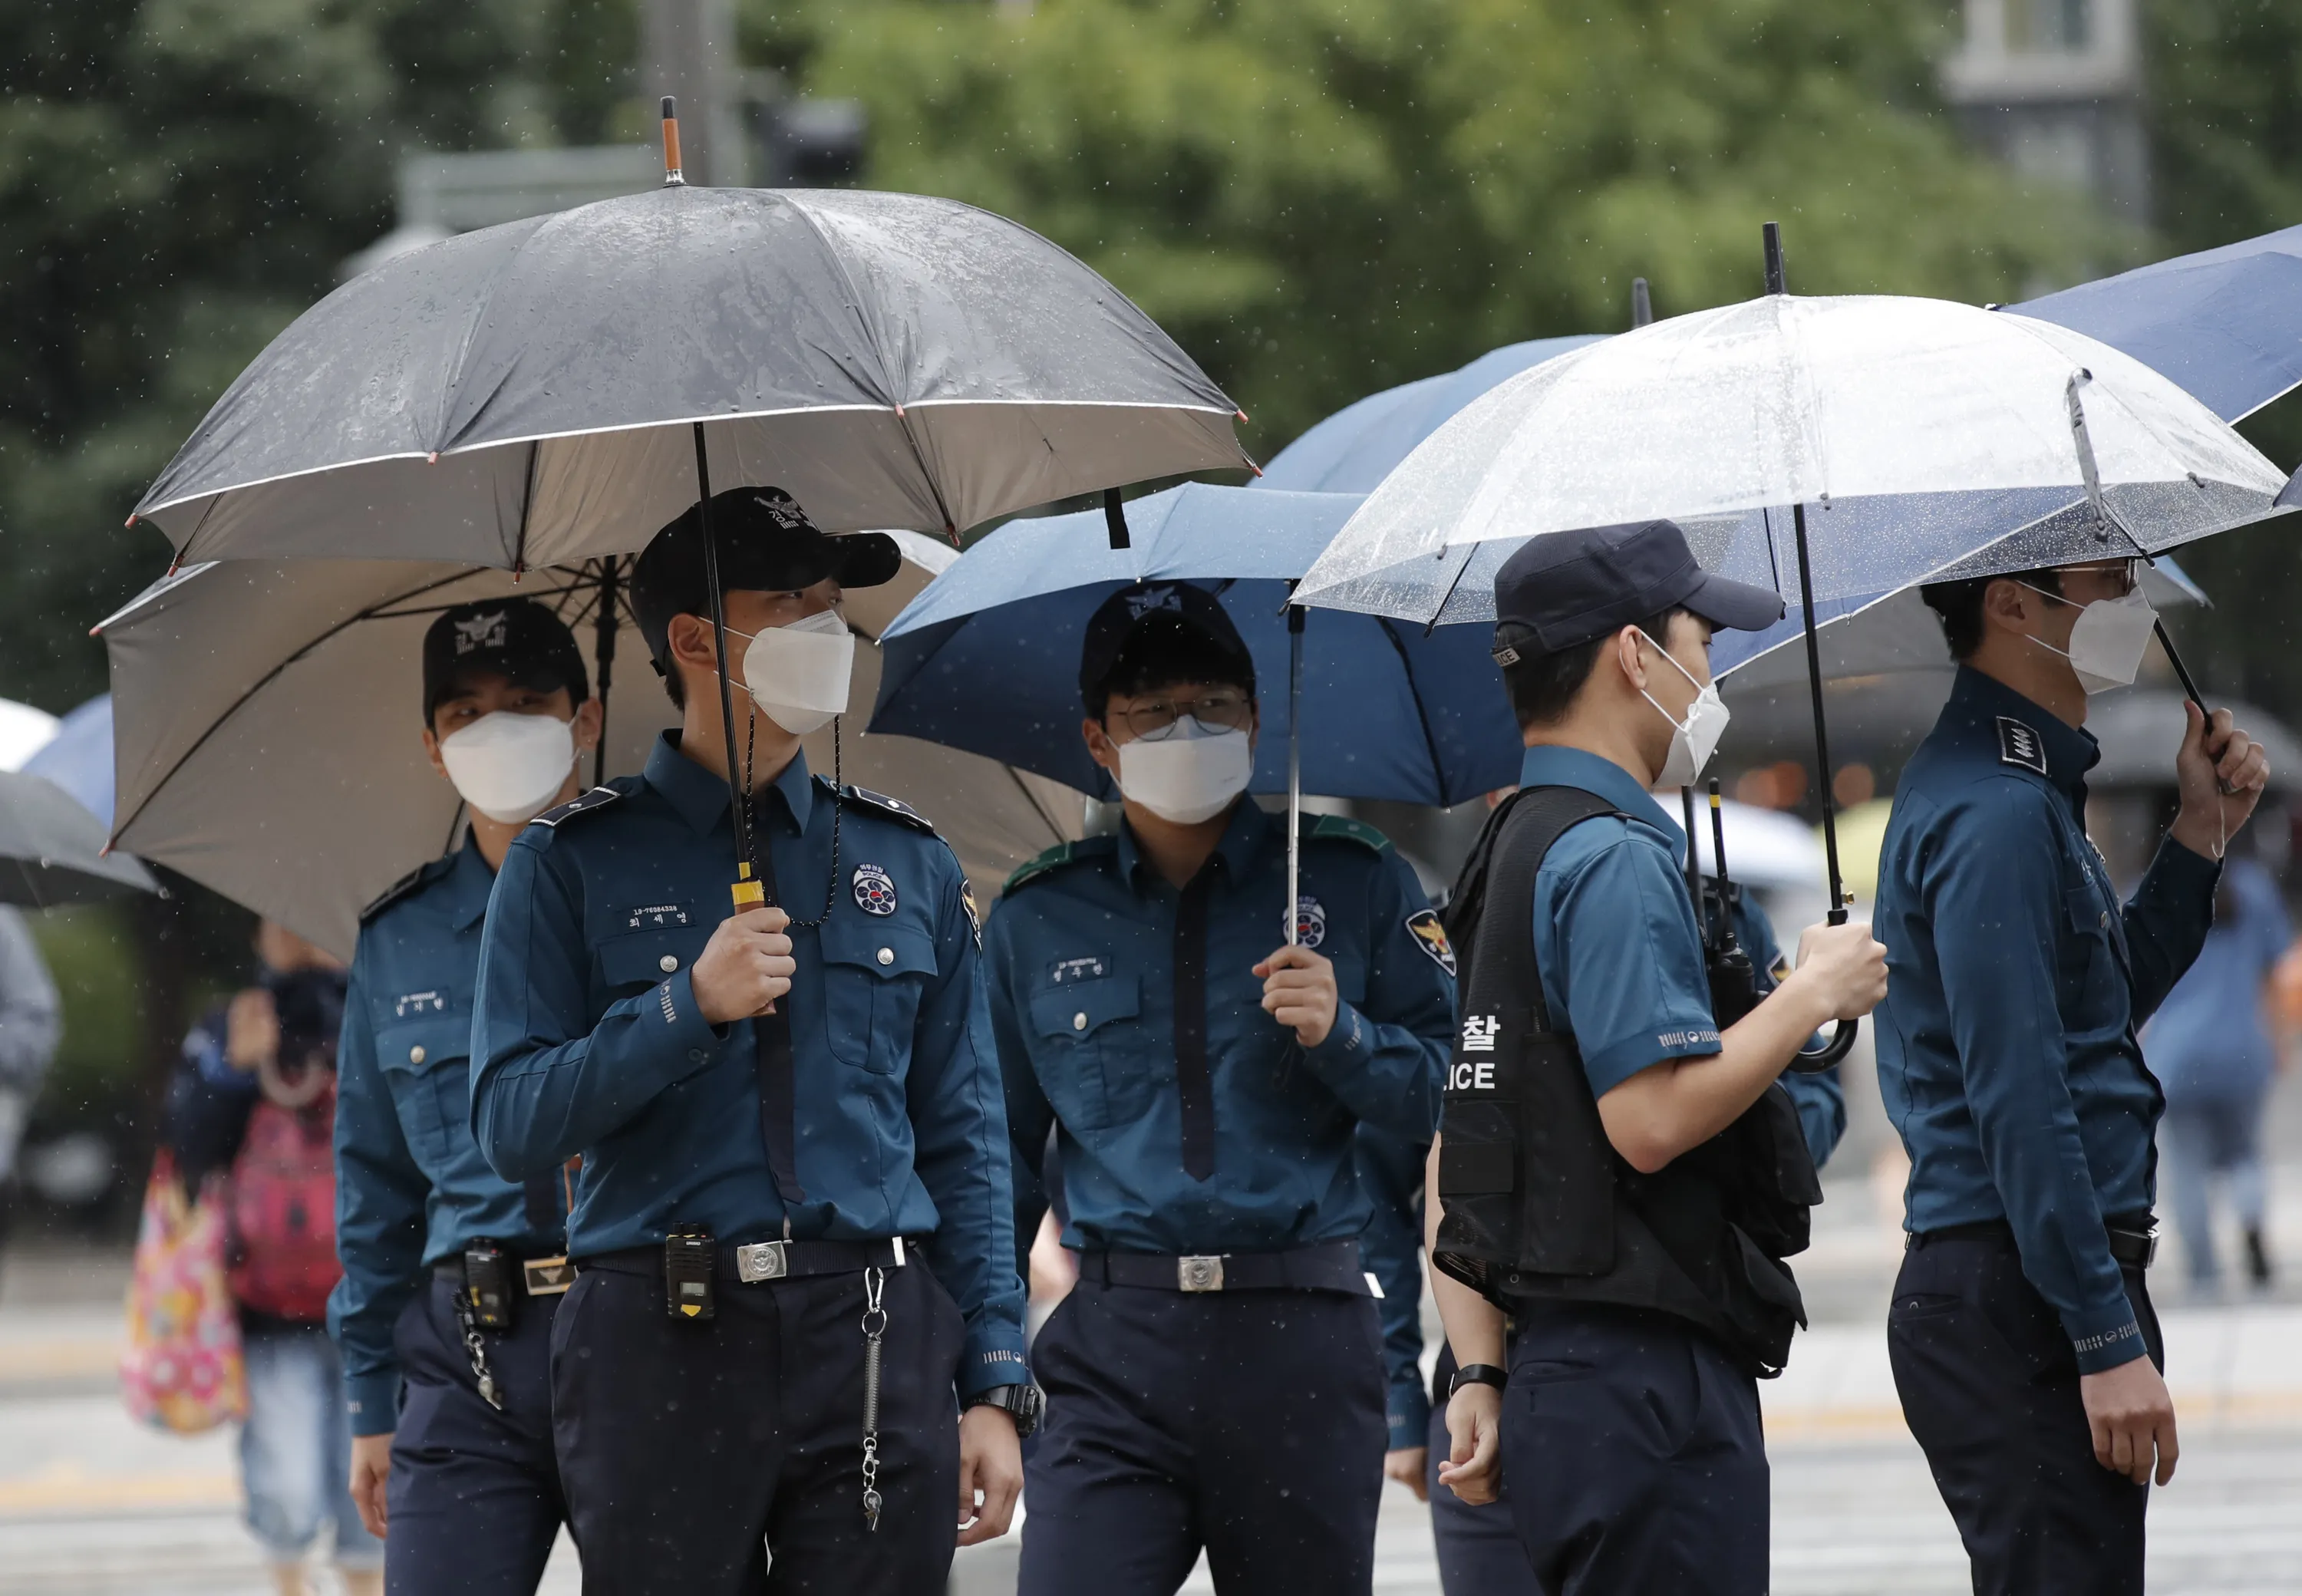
1355,449
986,658
79,757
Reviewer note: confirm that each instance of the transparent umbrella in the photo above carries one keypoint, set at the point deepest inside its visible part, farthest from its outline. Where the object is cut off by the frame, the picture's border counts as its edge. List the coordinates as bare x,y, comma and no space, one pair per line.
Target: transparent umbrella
1833,448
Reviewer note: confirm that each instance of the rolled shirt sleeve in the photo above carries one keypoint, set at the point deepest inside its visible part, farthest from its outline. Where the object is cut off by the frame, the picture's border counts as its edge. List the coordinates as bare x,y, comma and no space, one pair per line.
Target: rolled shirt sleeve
547,1082
959,1121
1621,957
1996,878
380,1201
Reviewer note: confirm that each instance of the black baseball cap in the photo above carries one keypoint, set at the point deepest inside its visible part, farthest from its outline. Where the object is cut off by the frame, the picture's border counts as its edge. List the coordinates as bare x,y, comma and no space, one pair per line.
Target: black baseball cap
1565,588
517,639
765,543
1120,619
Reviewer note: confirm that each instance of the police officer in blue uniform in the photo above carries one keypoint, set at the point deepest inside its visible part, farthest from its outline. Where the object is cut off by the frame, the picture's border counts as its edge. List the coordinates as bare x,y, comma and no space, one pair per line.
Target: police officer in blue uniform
1216,1379
1477,1547
451,1273
794,1224
1616,1171
2023,1341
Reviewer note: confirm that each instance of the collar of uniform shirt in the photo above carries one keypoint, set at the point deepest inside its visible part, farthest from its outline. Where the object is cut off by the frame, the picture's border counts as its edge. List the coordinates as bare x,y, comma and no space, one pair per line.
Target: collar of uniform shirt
1976,701
1551,765
701,798
1249,829
473,880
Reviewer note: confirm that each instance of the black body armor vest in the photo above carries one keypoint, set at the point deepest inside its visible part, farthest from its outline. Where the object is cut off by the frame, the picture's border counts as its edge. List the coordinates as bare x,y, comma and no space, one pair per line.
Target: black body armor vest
1537,1203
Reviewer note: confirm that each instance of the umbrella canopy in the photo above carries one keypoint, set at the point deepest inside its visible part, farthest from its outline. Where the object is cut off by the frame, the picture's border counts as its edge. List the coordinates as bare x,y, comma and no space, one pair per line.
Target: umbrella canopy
1357,446
52,850
2224,324
1922,439
987,658
79,757
269,717
24,731
526,395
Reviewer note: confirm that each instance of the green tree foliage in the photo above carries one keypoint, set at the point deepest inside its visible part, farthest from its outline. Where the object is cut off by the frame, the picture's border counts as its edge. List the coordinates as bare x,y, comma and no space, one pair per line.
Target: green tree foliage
1320,197
178,180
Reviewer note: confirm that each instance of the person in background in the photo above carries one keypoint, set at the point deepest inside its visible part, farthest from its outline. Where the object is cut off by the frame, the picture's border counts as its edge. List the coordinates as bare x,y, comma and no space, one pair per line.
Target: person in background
452,1275
2209,1045
31,1021
254,1098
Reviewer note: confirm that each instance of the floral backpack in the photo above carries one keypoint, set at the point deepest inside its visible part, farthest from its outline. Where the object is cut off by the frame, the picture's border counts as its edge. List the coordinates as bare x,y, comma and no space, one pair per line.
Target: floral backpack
181,1370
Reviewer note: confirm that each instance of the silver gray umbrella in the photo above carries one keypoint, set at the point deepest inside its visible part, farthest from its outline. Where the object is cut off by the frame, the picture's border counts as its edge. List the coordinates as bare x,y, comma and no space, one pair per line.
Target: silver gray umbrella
52,850
267,722
529,395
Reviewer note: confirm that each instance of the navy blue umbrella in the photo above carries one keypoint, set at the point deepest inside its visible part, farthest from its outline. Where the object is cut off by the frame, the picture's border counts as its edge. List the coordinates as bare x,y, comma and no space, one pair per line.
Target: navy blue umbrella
1355,449
986,658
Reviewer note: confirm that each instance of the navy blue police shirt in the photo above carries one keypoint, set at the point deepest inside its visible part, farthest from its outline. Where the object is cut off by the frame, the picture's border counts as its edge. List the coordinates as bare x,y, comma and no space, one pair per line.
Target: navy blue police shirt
587,1037
1095,958
411,1188
2015,981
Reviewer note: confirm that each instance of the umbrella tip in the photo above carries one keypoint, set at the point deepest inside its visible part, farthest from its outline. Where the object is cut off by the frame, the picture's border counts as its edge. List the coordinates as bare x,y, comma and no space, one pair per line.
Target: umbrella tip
433,458
672,176
1240,414
131,518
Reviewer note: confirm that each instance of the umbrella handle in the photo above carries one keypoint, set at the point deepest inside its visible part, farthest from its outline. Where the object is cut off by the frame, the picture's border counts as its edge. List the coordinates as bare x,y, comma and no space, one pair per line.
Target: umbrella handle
1815,1061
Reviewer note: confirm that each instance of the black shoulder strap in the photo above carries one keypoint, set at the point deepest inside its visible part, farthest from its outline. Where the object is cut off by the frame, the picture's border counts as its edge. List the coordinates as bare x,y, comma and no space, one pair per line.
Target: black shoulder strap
1498,880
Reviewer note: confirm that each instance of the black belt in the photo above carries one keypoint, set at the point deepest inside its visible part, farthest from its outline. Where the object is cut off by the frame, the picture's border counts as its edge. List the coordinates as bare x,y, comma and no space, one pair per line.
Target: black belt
543,1277
754,1263
2133,1239
1330,1266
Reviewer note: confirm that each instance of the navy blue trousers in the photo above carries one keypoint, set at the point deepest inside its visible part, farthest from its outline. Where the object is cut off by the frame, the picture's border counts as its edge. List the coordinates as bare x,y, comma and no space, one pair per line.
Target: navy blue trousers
474,1492
1478,1549
1636,1462
1247,1422
1990,1387
692,1451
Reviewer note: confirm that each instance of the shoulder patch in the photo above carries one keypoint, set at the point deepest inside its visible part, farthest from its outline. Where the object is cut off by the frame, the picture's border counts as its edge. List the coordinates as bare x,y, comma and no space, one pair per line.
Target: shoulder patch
1430,936
2019,745
408,886
1058,856
1343,828
583,803
894,809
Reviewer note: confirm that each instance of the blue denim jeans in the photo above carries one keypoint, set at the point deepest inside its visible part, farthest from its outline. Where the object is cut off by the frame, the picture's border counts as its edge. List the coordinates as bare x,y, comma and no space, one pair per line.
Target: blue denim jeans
295,1449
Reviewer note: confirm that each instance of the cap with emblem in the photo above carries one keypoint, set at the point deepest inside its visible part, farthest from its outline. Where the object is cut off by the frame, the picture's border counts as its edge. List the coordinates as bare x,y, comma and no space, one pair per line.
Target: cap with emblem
517,639
1566,588
765,543
1128,614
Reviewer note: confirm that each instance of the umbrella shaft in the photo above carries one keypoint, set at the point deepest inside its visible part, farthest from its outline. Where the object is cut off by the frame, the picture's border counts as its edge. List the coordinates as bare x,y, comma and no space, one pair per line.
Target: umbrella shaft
1838,916
739,810
1293,770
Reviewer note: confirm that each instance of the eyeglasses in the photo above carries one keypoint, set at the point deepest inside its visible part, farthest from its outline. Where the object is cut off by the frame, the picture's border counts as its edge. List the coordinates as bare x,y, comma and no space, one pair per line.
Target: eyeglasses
2121,576
1221,709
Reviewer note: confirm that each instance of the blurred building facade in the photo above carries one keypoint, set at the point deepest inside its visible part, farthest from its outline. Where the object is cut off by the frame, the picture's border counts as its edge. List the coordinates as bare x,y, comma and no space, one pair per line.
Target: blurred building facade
2054,88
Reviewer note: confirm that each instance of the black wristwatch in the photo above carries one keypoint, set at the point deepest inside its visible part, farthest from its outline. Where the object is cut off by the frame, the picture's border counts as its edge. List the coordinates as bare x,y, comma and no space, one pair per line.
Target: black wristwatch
1478,1374
1023,1403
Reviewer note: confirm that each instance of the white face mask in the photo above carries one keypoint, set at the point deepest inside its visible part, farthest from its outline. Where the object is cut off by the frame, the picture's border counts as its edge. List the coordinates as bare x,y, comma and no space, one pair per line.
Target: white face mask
511,767
1694,741
1190,775
799,674
2107,641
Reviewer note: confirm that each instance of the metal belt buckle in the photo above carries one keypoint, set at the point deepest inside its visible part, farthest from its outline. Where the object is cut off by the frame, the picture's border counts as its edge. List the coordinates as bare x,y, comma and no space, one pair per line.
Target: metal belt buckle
1201,1273
548,1277
758,1260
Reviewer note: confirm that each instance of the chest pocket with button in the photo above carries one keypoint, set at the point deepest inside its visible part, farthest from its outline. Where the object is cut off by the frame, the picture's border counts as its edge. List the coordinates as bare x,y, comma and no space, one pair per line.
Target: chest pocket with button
426,1062
874,970
2089,975
1085,1065
633,961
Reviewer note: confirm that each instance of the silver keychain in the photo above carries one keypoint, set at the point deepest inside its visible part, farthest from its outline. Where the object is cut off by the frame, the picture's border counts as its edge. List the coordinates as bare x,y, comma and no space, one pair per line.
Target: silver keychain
874,1330
477,1349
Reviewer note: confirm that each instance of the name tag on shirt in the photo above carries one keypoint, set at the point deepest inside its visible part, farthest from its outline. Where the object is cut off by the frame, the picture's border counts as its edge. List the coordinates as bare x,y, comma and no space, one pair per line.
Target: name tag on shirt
647,917
418,1002
1087,969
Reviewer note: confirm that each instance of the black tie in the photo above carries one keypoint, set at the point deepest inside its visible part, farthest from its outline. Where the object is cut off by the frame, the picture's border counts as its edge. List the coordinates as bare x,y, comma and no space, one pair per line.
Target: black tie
1192,1082
771,1041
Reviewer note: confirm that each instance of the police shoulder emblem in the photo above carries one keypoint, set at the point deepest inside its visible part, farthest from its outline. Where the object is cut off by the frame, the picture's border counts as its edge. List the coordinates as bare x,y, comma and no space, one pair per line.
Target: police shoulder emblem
1430,936
583,803
967,902
2019,745
1310,921
875,890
